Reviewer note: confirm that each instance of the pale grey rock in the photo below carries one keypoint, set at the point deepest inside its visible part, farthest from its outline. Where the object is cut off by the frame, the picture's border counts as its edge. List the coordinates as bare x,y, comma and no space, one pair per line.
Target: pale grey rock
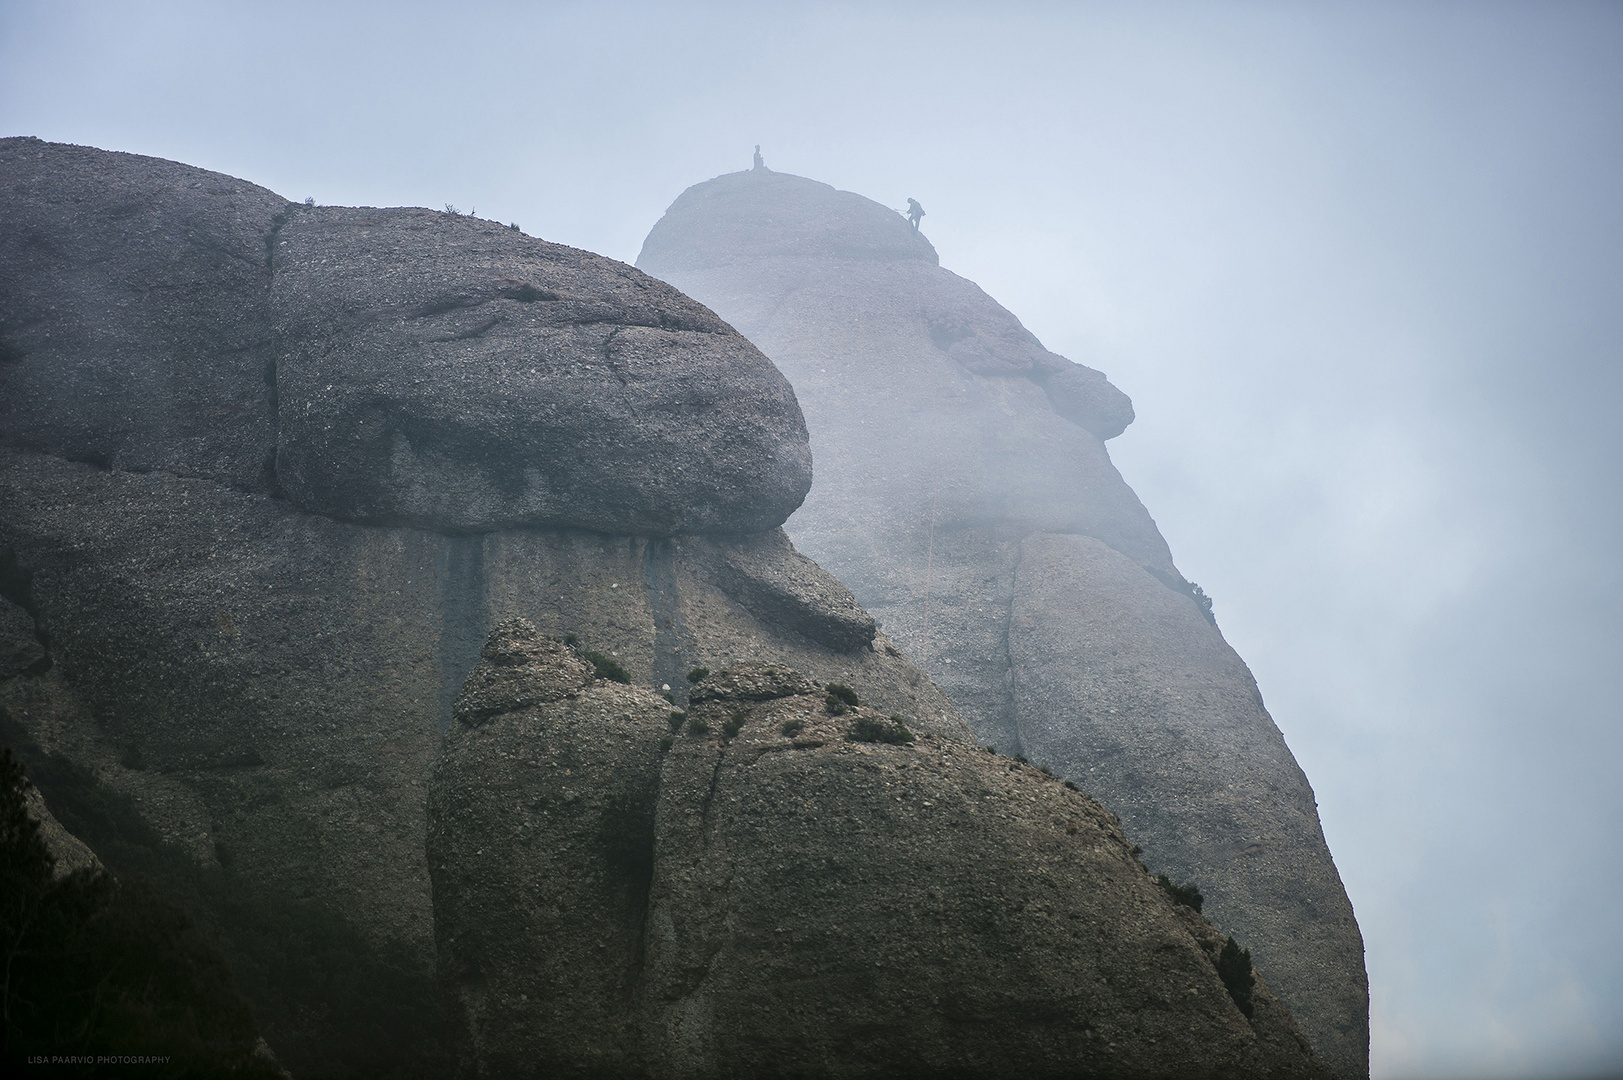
964,494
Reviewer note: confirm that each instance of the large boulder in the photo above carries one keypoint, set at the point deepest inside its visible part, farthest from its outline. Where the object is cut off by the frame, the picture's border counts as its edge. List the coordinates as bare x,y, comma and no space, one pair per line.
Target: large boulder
761,887
261,502
965,494
397,366
624,407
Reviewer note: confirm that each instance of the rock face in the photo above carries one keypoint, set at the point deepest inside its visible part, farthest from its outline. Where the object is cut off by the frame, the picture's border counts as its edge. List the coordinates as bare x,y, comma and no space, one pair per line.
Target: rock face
965,495
750,892
268,475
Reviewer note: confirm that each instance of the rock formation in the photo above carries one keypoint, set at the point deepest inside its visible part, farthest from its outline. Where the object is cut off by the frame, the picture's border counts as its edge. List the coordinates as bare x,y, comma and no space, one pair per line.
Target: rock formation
761,887
965,495
269,473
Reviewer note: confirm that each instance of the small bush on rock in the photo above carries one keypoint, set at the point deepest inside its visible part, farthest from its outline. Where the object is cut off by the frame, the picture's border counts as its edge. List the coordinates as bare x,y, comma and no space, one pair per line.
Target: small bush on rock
607,667
844,693
678,717
734,724
893,731
1188,895
698,673
1234,968
697,726
834,706
794,727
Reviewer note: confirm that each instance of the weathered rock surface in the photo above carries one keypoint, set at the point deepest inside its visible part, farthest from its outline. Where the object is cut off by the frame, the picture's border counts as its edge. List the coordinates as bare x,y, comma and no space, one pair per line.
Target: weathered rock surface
249,668
624,407
965,495
159,316
754,894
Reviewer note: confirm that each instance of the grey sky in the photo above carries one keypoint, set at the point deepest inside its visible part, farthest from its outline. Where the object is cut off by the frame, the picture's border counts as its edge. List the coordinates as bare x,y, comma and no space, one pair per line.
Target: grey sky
1360,268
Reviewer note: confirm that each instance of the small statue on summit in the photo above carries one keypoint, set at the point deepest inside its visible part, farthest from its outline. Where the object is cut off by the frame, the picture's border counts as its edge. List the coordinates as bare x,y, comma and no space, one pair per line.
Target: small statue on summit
914,212
760,162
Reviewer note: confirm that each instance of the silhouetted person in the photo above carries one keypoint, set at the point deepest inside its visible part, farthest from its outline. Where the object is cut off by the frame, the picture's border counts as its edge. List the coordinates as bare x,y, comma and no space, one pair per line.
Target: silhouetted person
914,212
760,162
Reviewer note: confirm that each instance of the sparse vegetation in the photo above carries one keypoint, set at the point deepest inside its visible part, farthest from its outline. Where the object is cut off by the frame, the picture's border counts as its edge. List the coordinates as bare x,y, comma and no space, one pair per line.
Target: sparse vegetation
665,744
1072,786
1204,602
834,706
678,718
571,639
1188,894
844,693
1234,968
734,724
698,673
867,729
794,727
697,726
607,667
449,209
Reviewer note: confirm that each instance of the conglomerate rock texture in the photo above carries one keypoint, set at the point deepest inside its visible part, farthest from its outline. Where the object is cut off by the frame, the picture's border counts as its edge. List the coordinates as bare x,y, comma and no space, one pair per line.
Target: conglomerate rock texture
269,473
746,891
965,495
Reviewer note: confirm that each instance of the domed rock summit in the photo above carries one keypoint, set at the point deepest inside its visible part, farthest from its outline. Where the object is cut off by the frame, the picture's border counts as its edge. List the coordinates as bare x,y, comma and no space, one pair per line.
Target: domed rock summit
965,494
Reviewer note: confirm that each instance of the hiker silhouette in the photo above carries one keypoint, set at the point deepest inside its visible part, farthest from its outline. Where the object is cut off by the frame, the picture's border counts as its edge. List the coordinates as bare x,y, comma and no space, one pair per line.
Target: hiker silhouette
914,212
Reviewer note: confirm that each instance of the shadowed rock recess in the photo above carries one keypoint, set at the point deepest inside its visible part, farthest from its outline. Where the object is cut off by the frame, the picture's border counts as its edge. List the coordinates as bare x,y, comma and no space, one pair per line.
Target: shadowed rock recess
965,495
269,473
760,887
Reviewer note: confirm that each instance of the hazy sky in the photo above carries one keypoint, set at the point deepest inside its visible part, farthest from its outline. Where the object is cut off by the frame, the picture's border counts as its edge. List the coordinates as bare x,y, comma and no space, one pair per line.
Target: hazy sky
1359,267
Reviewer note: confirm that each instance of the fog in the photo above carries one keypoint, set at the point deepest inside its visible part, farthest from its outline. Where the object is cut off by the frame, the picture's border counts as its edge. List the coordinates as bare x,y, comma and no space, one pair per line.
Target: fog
1359,267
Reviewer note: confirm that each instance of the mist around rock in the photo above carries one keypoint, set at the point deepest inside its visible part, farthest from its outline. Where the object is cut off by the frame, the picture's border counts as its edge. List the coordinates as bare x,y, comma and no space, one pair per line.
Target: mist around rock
403,603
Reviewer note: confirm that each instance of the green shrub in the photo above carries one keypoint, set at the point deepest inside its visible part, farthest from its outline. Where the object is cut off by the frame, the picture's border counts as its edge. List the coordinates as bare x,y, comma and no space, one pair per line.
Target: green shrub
734,724
698,673
794,727
1188,895
1234,968
893,731
678,718
607,667
571,639
665,744
834,706
1204,602
844,693
696,726
1072,786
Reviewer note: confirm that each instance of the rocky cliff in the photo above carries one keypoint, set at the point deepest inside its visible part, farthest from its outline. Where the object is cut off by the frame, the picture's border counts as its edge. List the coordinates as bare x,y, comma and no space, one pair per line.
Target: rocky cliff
269,473
965,494
778,883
